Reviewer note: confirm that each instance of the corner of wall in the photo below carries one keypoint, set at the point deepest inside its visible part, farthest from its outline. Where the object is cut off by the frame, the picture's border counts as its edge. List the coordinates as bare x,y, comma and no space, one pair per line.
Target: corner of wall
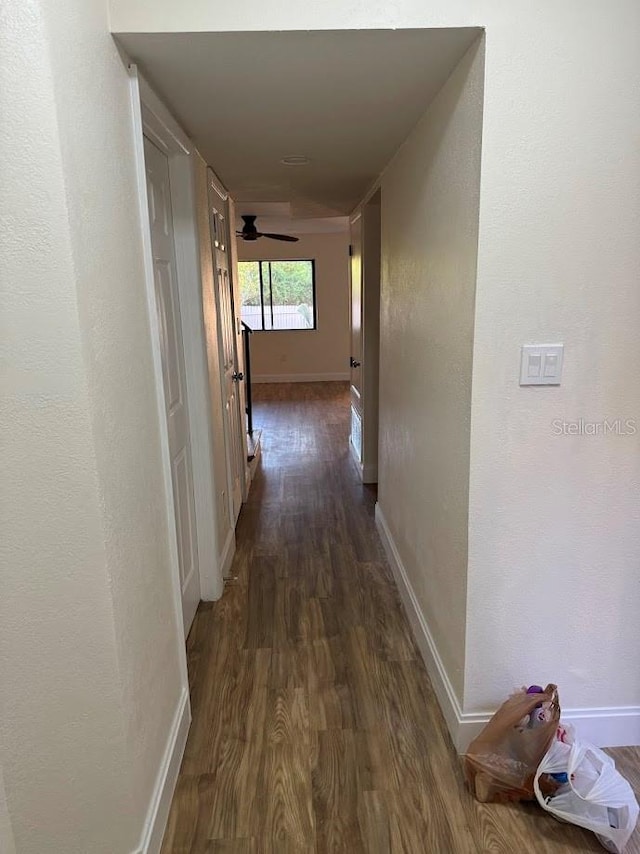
430,215
445,692
166,779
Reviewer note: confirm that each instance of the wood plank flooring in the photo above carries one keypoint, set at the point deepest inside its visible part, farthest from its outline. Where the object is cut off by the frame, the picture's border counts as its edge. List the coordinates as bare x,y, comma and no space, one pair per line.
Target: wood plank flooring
315,726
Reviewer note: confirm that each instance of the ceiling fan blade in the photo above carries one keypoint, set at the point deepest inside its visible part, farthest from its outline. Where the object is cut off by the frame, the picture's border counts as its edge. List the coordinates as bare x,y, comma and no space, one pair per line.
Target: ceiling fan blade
287,237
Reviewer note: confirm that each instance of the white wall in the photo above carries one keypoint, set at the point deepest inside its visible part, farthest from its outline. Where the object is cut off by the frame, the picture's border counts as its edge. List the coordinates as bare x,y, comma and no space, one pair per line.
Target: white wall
91,656
322,353
554,549
430,197
554,522
62,735
7,842
92,93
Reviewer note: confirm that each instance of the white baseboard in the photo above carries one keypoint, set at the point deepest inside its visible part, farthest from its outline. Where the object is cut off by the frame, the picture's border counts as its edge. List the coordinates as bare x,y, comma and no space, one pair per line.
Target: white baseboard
158,811
214,588
442,686
300,378
616,726
228,552
253,465
354,455
369,472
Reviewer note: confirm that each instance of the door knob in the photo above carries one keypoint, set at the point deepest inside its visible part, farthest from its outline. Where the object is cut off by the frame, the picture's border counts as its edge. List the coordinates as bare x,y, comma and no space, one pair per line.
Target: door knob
354,363
238,376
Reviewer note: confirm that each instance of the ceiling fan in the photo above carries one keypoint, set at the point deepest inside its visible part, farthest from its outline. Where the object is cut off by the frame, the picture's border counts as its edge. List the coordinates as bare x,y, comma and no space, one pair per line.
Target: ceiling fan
250,232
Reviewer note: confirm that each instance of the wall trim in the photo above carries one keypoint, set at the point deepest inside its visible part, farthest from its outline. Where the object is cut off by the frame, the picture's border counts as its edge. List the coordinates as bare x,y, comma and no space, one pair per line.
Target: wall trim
614,726
253,465
354,455
159,121
370,473
158,812
300,378
228,552
442,686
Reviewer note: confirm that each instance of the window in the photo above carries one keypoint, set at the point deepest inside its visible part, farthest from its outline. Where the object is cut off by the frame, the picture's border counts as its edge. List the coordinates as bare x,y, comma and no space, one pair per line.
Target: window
278,294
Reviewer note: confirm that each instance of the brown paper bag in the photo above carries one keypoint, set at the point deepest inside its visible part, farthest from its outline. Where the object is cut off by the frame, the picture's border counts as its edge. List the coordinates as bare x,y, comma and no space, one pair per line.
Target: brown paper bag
501,762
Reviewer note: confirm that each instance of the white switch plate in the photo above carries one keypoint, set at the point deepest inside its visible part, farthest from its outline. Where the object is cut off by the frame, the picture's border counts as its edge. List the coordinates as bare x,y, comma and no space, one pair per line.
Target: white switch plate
541,364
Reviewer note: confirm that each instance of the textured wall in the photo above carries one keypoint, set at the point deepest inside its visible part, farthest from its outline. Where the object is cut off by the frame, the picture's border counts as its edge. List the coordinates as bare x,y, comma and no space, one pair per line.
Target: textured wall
430,196
95,126
7,842
554,550
325,350
90,647
62,732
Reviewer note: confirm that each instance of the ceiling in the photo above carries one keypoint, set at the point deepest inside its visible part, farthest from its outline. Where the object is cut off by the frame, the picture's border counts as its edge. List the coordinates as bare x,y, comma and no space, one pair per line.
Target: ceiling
344,99
281,217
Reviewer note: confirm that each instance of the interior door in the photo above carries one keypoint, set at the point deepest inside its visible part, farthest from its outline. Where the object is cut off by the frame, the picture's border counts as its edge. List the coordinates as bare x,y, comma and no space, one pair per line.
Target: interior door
233,423
356,336
173,373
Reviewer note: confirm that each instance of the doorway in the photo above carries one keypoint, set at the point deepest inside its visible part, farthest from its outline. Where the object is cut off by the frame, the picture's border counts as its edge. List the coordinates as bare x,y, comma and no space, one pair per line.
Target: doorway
231,376
173,374
165,167
365,336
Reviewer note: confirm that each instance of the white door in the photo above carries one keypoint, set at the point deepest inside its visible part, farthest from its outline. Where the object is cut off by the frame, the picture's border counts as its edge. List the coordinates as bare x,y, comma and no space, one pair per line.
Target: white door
173,372
356,337
233,422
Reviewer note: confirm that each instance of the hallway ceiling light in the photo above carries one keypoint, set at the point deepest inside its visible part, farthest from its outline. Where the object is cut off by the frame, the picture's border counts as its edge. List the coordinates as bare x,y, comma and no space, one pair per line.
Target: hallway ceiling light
295,160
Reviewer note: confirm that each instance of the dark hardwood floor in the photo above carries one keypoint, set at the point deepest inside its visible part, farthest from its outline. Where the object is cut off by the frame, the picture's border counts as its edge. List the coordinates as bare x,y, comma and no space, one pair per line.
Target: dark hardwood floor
315,727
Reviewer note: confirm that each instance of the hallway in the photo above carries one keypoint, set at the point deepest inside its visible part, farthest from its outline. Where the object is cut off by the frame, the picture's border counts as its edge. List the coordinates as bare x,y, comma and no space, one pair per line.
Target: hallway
315,727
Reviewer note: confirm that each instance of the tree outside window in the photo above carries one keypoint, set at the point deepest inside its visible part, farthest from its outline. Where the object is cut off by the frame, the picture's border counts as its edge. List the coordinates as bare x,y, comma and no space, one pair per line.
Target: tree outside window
278,295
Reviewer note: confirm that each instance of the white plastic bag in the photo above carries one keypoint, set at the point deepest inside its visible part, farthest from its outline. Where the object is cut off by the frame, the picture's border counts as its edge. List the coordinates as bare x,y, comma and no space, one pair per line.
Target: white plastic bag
596,795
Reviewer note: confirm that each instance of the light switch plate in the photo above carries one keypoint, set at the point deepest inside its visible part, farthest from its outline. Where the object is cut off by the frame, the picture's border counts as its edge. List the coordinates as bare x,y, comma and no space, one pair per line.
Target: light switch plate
541,364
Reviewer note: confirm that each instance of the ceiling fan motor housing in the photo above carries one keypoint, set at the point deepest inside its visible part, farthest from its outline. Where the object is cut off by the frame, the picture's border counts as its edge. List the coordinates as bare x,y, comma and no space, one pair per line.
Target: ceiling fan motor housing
249,230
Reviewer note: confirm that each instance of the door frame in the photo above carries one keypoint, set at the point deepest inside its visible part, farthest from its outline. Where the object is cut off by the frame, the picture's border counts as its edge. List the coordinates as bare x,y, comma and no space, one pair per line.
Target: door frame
152,119
237,298
214,184
356,413
368,216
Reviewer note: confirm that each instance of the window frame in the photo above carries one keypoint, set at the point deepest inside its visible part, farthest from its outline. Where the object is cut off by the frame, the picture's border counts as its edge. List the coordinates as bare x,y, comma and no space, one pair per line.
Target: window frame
266,305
